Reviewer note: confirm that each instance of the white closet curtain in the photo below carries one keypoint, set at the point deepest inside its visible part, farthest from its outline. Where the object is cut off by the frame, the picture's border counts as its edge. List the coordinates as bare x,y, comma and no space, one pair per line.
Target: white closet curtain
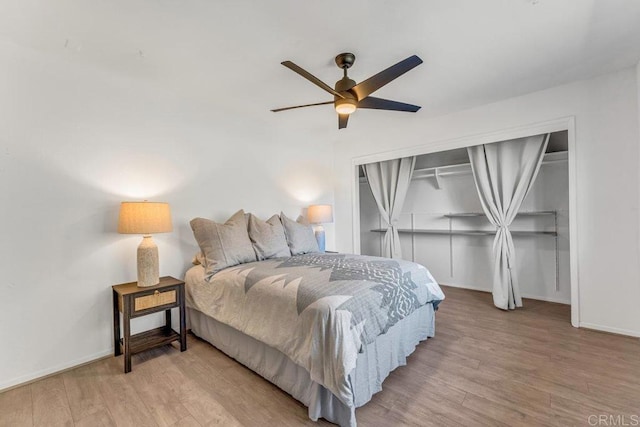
389,182
504,173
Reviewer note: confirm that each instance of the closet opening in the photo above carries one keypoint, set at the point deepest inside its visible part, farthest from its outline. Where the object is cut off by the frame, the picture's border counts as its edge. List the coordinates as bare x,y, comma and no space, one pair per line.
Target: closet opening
442,223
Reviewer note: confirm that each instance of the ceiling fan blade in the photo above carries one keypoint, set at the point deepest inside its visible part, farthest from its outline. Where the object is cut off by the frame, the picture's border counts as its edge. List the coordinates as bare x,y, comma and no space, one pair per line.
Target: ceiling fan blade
367,87
313,79
342,120
302,106
386,104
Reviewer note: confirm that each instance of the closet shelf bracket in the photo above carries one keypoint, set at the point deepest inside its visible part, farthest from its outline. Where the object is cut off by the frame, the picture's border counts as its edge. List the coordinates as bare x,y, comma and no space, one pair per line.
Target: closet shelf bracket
436,175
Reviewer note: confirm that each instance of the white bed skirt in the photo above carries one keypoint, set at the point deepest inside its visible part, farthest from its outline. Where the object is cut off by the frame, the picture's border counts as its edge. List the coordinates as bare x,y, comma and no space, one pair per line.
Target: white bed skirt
373,365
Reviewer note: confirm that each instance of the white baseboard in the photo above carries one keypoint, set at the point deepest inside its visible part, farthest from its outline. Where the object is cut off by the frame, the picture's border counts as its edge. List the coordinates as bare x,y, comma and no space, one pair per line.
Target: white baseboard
548,299
609,329
28,378
473,288
536,297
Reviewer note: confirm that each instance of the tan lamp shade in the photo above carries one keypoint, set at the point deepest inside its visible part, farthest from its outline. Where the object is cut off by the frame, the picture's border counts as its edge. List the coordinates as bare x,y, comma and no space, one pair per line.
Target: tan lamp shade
144,218
320,214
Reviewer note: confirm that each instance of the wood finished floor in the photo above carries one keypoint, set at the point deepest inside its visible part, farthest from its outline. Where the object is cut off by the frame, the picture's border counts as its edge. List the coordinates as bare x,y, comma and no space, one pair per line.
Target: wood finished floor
484,367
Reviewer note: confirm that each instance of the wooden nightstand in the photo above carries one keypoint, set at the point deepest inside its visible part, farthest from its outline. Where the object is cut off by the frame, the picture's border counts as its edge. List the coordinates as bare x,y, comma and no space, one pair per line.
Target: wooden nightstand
133,301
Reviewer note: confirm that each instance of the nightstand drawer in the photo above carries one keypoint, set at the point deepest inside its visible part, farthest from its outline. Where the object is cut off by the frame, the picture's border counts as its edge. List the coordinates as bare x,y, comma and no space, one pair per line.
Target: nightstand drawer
156,299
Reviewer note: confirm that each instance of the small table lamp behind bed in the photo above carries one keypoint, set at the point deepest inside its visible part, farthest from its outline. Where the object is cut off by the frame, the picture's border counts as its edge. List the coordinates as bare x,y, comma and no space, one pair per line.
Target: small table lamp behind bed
318,215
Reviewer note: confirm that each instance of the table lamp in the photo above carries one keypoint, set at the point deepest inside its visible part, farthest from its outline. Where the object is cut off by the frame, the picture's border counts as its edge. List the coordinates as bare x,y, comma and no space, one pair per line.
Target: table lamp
317,215
145,218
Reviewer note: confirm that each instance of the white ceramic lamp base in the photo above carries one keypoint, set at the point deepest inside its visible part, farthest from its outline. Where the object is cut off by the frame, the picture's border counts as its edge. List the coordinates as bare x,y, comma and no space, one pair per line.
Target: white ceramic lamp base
320,237
148,265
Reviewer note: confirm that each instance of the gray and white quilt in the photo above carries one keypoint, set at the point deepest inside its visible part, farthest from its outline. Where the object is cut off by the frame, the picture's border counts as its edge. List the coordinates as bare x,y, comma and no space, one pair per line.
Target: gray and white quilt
318,309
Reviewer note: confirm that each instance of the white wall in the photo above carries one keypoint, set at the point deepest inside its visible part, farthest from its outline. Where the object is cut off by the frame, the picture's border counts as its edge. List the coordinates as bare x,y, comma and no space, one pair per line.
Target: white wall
467,261
607,161
75,141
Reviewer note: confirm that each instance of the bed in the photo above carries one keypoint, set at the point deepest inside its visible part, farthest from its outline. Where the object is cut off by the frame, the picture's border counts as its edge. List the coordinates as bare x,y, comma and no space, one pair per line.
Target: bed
325,328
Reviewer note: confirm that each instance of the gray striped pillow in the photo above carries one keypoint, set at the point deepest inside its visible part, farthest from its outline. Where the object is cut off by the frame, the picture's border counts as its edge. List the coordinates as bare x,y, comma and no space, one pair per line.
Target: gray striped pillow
300,236
268,237
223,245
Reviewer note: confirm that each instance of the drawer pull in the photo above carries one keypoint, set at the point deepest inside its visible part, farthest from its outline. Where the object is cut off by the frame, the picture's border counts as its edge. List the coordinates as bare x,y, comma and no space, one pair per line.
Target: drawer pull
156,299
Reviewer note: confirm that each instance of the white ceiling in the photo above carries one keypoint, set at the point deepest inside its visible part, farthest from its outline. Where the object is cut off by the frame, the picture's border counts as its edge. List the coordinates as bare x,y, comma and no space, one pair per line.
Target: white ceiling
227,54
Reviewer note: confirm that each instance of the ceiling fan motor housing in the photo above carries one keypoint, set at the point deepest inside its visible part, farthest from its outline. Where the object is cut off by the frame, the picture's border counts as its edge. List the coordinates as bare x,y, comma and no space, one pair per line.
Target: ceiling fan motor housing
344,84
349,103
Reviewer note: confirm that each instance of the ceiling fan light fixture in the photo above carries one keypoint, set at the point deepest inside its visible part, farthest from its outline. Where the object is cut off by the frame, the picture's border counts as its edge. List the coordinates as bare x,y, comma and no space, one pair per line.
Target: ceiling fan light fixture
345,106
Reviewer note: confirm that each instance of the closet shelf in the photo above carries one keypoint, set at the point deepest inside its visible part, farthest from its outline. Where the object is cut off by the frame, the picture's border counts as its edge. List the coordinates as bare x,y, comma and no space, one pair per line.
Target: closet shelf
439,172
476,214
465,232
478,233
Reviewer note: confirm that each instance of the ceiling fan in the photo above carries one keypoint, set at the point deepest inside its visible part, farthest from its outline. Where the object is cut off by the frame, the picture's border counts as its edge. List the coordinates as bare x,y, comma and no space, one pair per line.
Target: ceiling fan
349,96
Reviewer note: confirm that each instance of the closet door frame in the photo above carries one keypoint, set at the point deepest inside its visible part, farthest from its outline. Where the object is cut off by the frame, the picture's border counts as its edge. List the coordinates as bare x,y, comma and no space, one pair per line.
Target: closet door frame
557,125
